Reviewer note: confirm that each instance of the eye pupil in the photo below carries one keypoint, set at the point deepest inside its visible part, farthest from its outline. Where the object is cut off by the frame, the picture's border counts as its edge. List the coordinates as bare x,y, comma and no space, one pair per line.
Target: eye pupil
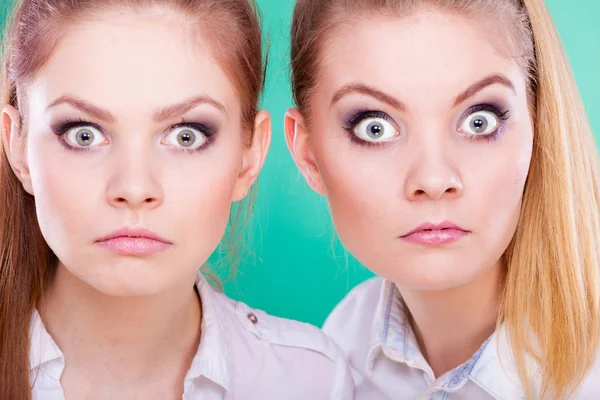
85,137
479,124
375,130
186,138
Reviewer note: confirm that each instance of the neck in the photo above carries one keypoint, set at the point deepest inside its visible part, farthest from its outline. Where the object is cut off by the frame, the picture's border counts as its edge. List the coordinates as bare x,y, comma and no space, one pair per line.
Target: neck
451,325
135,336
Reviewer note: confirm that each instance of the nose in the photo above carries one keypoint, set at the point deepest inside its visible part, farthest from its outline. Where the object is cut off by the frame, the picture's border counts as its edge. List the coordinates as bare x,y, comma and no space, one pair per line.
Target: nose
133,180
433,175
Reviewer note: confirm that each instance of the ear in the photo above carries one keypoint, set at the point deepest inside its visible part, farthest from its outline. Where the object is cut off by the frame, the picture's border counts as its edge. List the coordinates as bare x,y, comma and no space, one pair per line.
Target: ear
298,141
14,143
254,156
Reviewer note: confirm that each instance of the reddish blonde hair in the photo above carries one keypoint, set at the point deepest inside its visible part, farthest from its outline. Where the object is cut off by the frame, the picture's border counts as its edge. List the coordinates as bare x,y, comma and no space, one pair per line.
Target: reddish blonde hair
26,262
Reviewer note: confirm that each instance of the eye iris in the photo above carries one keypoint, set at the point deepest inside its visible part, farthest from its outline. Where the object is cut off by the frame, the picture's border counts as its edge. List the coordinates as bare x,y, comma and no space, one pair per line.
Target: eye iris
375,130
85,137
479,124
186,138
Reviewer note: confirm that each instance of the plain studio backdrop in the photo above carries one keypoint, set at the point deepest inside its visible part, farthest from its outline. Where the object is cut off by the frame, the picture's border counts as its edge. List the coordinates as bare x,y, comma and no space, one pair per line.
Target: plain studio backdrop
296,267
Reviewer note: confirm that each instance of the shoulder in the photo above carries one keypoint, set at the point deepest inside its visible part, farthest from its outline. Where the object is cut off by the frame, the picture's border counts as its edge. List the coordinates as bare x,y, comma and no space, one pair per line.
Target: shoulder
364,296
283,356
259,325
353,318
285,332
351,324
590,386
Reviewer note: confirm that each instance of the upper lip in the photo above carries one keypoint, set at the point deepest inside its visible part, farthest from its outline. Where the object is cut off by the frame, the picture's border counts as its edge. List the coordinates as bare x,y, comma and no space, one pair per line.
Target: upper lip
435,227
133,233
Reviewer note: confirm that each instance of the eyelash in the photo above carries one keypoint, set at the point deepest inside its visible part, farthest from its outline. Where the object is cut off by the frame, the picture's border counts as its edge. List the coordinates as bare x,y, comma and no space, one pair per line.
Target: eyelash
502,113
356,118
62,128
352,122
208,132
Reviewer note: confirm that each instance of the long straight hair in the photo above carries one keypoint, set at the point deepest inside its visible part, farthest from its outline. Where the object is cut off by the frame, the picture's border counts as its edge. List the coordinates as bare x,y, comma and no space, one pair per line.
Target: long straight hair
550,299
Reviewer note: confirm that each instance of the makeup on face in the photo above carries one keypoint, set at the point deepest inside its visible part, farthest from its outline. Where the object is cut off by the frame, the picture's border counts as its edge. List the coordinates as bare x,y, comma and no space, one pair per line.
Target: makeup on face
136,169
134,242
431,234
423,146
372,127
82,134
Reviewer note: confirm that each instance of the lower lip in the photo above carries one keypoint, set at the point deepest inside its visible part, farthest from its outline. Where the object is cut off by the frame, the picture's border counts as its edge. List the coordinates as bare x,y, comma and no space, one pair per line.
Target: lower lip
138,246
435,237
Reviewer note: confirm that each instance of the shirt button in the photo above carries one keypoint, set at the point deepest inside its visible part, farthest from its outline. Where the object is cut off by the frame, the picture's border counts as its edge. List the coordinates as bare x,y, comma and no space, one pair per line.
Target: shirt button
253,318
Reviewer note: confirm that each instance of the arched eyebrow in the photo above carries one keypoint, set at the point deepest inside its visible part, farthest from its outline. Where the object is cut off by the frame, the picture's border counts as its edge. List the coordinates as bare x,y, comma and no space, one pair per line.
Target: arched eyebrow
369,91
85,107
169,112
179,109
494,79
397,104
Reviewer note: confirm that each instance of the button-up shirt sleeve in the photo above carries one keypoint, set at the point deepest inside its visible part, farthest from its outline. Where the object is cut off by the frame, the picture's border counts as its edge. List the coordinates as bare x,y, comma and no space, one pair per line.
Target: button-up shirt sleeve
372,328
243,354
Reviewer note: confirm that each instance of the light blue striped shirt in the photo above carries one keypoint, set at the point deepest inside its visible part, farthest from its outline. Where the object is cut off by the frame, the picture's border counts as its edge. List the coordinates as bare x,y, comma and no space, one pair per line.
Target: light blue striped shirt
372,328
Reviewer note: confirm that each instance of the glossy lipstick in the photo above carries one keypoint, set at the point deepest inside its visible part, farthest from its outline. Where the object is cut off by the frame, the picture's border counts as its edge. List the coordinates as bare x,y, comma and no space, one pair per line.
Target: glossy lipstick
435,234
134,242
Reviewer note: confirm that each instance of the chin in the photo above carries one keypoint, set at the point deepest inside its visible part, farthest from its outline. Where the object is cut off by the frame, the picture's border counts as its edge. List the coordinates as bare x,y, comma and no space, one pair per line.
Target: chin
126,285
435,274
124,289
128,278
428,282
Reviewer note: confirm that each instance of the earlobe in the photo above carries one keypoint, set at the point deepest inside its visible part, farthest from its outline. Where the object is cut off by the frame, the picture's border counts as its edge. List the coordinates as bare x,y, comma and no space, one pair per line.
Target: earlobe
254,156
298,141
13,142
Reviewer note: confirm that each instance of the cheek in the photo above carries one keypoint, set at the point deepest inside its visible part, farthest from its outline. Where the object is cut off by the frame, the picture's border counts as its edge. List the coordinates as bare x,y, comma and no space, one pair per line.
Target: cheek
199,202
71,199
362,188
365,189
497,187
67,194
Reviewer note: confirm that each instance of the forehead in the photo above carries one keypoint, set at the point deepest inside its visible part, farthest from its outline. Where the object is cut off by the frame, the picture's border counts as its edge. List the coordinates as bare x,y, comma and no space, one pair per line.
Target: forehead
418,53
134,60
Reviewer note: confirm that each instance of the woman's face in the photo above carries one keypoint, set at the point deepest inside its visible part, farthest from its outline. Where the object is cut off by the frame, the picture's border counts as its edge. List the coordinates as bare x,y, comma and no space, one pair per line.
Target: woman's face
135,151
421,139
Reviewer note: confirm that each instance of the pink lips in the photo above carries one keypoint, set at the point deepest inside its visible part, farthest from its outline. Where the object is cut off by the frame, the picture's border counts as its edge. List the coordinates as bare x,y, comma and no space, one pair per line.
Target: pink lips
134,242
435,234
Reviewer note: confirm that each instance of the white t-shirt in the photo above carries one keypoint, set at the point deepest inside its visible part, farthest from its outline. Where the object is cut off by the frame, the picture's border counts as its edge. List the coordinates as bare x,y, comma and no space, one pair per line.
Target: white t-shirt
243,354
372,328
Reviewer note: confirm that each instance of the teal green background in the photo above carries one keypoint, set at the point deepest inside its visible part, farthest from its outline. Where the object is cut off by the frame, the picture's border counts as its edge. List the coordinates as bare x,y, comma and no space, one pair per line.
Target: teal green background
297,268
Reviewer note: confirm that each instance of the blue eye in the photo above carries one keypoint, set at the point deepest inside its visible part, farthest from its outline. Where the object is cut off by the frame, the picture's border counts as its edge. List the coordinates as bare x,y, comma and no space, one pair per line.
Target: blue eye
480,123
375,129
85,137
185,137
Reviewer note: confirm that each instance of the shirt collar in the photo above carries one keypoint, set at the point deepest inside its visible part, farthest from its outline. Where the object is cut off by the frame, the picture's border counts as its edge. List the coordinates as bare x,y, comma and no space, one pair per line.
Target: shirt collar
496,370
391,335
42,348
211,361
492,367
